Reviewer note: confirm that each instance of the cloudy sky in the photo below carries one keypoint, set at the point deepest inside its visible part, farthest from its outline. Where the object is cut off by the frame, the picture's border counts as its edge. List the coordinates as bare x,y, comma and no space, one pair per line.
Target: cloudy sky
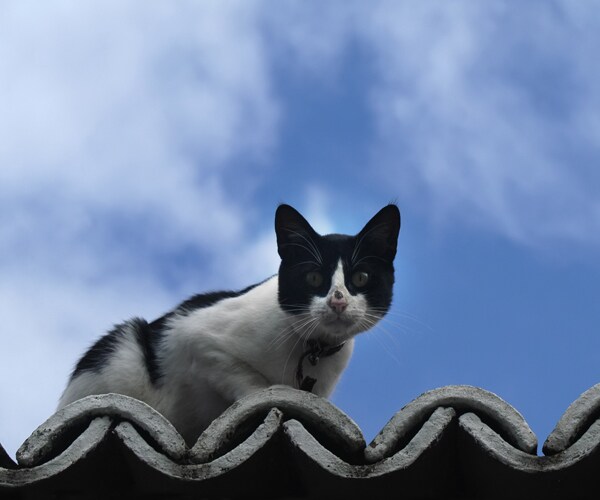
145,146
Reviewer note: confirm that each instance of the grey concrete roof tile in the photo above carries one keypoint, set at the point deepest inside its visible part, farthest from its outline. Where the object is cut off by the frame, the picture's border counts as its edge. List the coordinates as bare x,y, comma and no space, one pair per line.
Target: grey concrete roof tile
462,398
5,461
578,417
327,422
48,436
84,443
452,442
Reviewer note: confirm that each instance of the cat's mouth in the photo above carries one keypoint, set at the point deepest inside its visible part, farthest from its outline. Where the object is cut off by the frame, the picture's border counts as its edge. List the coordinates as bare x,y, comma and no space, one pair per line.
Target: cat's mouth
339,326
340,320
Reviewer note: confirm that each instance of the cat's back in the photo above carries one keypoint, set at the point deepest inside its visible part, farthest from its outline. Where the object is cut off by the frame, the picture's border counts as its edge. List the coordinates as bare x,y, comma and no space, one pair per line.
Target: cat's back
136,357
232,317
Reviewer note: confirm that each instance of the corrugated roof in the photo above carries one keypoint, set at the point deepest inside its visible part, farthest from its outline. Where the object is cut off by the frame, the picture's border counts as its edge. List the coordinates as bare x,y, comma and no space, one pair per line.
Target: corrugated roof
452,442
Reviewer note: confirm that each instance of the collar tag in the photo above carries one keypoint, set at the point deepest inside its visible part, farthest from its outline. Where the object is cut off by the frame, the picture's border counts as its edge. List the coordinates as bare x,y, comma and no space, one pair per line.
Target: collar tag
315,351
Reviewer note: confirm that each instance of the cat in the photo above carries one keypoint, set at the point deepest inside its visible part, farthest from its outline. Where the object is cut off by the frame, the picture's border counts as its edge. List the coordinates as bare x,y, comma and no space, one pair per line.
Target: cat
295,328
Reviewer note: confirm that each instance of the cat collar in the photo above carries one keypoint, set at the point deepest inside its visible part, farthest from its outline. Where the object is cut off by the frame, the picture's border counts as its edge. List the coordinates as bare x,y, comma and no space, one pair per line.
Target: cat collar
314,352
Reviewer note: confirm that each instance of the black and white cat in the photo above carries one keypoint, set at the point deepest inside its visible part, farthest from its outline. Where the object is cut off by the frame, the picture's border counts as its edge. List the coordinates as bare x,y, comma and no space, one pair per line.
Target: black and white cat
295,328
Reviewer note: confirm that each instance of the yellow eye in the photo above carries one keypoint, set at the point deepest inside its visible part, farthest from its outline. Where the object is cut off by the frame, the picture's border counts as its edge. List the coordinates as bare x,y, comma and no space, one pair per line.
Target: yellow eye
360,279
314,279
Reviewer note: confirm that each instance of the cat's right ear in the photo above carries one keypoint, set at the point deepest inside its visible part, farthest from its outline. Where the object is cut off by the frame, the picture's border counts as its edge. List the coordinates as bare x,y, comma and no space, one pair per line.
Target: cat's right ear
294,233
380,236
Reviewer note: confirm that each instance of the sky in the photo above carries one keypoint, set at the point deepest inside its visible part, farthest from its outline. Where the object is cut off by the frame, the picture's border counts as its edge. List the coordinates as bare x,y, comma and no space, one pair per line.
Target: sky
144,148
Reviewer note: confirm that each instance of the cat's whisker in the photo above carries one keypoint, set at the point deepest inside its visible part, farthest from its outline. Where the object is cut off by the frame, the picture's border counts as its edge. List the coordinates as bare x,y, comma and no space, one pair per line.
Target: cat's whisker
304,247
311,331
373,330
297,309
299,326
312,248
366,324
368,257
397,326
281,339
390,335
308,325
314,263
303,315
295,328
356,250
287,360
307,333
220,346
407,316
401,313
388,349
294,307
289,331
313,245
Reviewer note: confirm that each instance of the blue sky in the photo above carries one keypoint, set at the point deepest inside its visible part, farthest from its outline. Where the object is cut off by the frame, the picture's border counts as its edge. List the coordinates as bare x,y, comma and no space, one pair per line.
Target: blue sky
145,147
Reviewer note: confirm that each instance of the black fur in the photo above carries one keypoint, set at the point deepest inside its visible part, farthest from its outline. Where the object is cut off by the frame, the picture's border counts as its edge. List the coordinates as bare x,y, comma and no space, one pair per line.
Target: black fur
303,250
97,355
147,335
208,299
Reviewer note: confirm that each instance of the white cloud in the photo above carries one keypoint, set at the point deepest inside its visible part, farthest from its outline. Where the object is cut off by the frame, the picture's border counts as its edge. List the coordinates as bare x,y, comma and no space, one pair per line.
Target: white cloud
481,108
118,125
486,113
121,108
46,325
311,36
257,258
120,121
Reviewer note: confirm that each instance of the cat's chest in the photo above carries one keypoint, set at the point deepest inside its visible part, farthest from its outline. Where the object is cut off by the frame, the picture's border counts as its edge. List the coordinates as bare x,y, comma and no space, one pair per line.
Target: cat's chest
254,333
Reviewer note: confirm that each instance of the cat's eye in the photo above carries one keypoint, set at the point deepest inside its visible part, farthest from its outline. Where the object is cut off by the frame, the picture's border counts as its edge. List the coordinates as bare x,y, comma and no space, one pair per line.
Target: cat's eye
314,279
360,279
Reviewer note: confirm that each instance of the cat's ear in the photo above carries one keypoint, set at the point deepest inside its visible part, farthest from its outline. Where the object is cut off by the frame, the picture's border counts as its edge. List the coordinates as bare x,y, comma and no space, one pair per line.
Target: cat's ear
380,235
294,233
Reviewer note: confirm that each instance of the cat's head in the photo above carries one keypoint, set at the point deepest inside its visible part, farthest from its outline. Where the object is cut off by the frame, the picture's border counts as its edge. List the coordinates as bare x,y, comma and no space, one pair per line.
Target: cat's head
336,285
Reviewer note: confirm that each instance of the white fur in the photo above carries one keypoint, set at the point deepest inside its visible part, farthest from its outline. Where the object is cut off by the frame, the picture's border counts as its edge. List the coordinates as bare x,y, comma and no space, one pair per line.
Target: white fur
218,354
335,328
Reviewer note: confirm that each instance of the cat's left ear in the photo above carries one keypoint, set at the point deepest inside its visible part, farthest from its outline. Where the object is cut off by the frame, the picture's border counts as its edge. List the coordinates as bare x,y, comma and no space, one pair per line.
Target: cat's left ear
381,233
294,233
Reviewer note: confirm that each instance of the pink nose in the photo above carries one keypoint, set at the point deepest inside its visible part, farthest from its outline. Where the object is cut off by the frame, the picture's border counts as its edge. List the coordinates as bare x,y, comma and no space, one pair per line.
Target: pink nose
338,302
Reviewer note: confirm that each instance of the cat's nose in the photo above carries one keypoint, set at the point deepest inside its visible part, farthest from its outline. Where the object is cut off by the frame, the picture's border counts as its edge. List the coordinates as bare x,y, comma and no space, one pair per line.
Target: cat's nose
338,302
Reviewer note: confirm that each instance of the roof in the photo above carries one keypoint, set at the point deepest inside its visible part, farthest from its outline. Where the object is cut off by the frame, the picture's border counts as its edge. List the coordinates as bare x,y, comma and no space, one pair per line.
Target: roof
451,442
